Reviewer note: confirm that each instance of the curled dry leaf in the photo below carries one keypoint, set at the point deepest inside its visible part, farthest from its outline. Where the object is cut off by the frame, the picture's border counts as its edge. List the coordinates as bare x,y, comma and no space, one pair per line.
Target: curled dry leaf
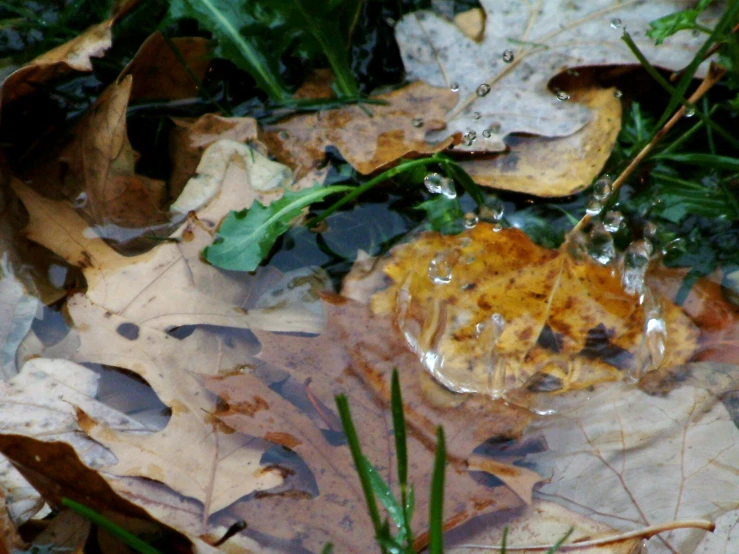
367,142
74,55
19,308
544,166
543,39
544,320
189,139
168,286
355,355
632,458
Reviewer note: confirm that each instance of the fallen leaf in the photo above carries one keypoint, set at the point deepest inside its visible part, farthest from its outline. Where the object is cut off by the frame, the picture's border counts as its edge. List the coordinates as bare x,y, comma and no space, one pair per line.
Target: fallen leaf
161,74
101,168
543,39
189,139
75,55
543,523
367,142
19,308
10,540
355,355
166,287
629,458
544,166
541,319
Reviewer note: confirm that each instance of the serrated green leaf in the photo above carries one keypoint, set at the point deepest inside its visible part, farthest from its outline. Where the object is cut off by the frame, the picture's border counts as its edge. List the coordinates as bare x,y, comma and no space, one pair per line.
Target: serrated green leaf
246,237
666,26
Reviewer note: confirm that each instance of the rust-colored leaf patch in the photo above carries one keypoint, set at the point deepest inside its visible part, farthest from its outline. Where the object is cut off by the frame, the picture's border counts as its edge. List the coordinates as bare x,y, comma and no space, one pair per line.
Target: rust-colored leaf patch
368,142
491,312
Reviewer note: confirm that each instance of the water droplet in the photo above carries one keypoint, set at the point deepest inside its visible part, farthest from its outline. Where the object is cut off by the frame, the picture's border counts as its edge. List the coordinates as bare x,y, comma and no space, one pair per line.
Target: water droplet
601,247
80,201
284,135
440,270
613,221
650,230
562,96
593,207
496,227
616,23
602,189
493,210
470,220
417,122
469,137
689,111
487,133
433,182
454,86
483,90
651,352
508,56
476,115
635,263
448,189
618,94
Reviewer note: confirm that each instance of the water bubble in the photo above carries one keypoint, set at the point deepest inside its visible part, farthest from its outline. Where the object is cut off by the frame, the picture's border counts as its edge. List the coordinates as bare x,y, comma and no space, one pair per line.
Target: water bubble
562,96
616,23
417,122
80,201
593,207
612,221
487,133
601,247
483,90
440,270
454,86
651,352
470,220
508,56
476,115
448,189
649,230
433,182
496,227
689,111
493,210
469,137
602,189
618,94
635,263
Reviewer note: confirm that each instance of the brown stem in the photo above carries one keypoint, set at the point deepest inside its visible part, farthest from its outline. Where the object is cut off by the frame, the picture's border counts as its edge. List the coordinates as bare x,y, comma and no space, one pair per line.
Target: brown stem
714,75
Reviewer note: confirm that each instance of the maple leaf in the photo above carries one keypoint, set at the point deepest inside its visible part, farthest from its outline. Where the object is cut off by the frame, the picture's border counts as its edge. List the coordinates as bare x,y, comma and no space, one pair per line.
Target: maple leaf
542,39
542,319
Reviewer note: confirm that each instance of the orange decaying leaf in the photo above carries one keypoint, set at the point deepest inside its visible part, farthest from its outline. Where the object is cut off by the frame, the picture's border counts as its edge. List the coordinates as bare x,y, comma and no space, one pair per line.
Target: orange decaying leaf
561,322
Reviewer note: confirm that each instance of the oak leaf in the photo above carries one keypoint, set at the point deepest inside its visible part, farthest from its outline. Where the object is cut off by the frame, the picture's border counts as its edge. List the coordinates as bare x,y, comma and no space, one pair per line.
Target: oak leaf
543,39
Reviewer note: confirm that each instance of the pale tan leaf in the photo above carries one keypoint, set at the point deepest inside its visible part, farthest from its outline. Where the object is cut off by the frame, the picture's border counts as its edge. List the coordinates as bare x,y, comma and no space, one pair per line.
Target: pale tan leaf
545,38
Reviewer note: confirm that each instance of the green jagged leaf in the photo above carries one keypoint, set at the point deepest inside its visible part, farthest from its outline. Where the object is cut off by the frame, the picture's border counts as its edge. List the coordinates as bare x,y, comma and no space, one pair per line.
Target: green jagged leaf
239,39
661,28
256,34
444,214
246,237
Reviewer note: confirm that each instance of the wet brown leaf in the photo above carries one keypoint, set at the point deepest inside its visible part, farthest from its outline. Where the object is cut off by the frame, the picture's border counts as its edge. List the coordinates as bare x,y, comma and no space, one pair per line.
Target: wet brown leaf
367,142
566,322
160,74
74,55
190,138
557,166
101,167
168,286
355,356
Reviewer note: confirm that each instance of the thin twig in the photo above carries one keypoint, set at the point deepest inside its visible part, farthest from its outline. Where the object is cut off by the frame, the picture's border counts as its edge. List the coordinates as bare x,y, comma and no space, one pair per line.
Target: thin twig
714,75
645,533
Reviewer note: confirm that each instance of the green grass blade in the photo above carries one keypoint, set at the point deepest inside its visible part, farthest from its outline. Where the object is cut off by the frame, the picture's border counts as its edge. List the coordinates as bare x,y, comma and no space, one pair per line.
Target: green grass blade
127,538
342,404
328,548
383,492
401,451
709,160
504,540
436,514
560,542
